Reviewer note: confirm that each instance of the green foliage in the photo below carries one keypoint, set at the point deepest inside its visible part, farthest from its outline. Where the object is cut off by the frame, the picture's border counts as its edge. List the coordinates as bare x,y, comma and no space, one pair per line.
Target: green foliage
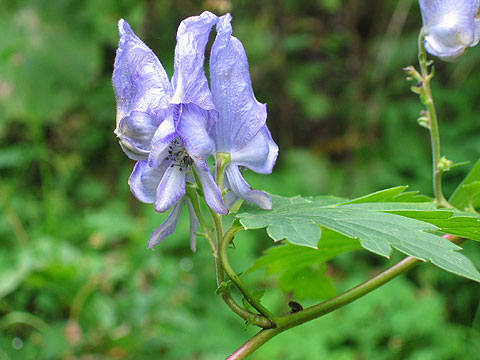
303,269
76,280
299,221
467,195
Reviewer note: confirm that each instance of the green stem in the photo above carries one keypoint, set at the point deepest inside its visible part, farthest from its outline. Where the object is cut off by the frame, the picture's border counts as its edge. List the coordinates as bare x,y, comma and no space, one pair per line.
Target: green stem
226,296
225,262
248,316
433,123
288,321
193,195
222,160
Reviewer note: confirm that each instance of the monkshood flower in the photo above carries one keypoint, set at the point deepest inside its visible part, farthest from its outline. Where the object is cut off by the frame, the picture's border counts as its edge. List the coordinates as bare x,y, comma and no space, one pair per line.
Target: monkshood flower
450,26
241,129
166,126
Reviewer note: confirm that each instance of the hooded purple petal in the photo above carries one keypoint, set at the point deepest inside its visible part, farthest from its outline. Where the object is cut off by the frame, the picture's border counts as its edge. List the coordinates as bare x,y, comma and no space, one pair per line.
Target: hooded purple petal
241,116
170,189
213,195
135,132
450,26
189,80
145,179
240,187
168,226
259,154
139,79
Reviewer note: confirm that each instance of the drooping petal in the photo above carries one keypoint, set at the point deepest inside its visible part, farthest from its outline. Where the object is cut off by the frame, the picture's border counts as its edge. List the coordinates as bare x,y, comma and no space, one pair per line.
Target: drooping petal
171,188
259,154
194,131
135,132
449,26
139,79
213,195
194,224
189,80
241,116
476,37
168,226
145,179
239,186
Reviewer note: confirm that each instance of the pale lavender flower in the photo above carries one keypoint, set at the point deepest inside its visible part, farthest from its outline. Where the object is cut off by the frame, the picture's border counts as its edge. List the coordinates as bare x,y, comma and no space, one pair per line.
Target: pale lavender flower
166,127
450,26
241,129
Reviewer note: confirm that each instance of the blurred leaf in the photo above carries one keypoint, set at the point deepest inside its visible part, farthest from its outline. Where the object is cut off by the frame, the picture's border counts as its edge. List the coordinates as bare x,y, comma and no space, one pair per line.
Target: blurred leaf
467,195
298,221
17,156
307,283
302,268
113,221
286,256
15,266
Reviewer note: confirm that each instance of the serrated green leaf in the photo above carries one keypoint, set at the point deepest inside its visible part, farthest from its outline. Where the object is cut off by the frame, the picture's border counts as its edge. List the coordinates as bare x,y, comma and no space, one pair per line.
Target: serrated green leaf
298,221
467,195
450,221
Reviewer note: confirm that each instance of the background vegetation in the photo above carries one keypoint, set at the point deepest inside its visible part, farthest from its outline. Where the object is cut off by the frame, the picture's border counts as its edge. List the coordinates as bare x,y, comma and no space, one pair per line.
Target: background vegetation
76,280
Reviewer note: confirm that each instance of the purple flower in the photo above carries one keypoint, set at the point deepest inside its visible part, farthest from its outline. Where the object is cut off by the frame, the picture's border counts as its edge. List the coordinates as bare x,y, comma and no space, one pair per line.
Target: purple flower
450,26
241,129
166,127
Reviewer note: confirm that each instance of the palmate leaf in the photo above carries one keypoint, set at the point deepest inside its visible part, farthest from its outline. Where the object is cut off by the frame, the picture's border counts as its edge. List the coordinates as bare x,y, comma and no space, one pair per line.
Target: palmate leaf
376,225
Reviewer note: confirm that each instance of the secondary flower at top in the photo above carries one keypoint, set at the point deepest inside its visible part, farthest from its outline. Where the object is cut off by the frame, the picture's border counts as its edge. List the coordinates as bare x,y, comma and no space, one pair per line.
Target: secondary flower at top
241,129
450,26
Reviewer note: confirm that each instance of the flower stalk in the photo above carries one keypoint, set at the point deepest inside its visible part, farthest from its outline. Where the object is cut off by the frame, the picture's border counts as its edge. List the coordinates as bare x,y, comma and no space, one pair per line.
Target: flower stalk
225,262
426,97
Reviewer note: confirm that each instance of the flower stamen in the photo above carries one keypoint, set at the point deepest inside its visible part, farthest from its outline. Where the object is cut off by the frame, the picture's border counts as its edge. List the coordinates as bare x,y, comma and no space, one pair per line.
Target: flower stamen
178,155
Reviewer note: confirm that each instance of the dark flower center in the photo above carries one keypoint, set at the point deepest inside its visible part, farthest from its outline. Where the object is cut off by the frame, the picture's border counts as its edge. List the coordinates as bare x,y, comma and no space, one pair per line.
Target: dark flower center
178,155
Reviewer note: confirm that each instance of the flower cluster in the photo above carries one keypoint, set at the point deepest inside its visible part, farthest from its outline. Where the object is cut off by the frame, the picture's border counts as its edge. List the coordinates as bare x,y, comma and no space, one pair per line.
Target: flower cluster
450,26
172,128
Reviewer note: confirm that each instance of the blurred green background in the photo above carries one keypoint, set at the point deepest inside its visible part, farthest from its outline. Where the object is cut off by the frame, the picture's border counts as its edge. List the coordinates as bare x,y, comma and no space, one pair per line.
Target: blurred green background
76,280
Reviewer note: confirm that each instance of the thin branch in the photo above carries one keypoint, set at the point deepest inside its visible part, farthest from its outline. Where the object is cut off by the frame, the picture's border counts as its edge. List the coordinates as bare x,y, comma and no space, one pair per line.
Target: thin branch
288,321
225,262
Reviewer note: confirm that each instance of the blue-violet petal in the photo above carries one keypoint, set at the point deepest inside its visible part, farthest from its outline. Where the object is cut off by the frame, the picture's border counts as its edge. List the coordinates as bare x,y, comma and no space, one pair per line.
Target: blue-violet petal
167,228
139,79
189,80
241,116
239,186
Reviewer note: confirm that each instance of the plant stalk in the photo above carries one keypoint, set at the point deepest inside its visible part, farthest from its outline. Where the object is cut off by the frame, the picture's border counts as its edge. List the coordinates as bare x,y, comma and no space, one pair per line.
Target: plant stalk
433,123
225,262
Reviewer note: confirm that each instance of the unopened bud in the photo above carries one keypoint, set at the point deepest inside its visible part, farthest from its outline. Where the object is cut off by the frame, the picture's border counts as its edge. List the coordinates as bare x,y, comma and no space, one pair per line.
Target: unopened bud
412,73
444,164
423,121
